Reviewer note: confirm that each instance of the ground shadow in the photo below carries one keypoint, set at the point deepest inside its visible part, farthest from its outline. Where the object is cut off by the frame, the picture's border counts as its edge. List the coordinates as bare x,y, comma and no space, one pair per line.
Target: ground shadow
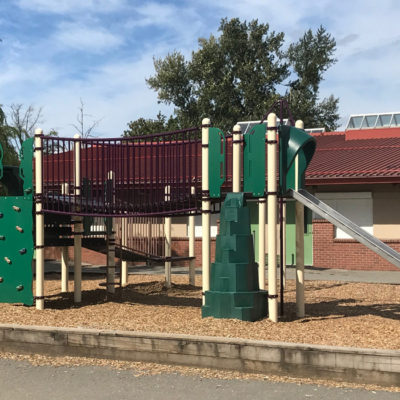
342,308
145,293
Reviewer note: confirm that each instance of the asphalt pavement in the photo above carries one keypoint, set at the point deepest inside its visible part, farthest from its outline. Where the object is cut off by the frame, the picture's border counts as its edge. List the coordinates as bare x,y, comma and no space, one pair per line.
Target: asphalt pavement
20,380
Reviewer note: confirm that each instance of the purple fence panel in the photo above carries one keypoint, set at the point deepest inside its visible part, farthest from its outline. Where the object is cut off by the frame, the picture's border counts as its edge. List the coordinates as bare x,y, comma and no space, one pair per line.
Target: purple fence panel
139,176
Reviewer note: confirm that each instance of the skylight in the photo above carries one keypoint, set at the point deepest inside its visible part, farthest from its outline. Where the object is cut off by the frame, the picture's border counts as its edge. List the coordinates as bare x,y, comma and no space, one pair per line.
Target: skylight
371,121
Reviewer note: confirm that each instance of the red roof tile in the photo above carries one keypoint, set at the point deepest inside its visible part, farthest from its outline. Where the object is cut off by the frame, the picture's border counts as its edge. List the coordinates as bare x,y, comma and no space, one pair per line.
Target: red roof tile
356,156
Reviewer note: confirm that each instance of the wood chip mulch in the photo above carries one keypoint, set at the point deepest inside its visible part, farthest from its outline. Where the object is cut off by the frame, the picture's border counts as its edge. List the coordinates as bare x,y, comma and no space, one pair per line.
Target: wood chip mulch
337,313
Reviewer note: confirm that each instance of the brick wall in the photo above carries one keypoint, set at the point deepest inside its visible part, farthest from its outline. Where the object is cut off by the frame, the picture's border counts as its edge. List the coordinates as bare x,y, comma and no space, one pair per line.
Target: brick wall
180,247
88,256
346,253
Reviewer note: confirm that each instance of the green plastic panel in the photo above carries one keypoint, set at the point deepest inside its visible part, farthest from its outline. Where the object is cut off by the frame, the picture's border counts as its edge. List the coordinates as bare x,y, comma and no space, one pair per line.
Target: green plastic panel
16,238
234,285
216,161
292,142
254,161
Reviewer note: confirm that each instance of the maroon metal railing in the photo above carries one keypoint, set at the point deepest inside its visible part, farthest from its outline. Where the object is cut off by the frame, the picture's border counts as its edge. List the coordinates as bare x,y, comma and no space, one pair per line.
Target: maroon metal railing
150,175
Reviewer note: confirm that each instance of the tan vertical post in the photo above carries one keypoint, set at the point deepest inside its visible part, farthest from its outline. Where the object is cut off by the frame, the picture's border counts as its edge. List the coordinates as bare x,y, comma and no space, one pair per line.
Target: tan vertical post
299,214
124,263
111,245
205,207
237,136
168,244
39,217
283,255
64,252
272,218
261,243
78,226
191,234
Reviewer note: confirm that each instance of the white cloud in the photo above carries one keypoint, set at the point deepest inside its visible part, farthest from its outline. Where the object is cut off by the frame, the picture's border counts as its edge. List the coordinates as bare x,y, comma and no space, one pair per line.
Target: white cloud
115,93
71,6
365,77
79,37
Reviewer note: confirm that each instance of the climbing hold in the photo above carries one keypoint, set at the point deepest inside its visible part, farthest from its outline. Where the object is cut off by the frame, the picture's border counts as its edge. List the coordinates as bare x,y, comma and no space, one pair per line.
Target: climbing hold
2,237
7,260
28,190
19,229
20,287
16,208
22,251
1,215
1,279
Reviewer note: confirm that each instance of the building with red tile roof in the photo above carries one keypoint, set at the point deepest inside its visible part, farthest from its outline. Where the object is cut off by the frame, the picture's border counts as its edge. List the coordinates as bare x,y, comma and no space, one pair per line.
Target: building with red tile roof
356,172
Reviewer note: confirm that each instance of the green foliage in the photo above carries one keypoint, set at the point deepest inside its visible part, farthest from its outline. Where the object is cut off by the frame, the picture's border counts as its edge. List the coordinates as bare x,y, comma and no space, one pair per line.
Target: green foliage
148,126
310,58
238,74
231,77
10,156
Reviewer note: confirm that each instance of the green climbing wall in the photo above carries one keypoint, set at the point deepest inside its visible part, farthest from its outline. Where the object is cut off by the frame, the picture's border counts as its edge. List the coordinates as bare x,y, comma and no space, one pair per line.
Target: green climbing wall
234,291
16,239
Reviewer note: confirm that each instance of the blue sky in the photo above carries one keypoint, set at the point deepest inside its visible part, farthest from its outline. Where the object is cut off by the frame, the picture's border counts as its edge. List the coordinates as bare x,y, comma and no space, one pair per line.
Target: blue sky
56,52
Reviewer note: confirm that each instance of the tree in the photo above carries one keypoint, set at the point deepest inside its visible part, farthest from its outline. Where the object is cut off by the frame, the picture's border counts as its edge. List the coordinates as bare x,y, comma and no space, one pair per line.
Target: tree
84,130
23,122
239,74
144,126
231,77
10,156
310,58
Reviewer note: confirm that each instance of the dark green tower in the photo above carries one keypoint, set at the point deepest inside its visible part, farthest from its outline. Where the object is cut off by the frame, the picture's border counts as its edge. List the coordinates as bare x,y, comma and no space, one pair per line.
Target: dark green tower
234,291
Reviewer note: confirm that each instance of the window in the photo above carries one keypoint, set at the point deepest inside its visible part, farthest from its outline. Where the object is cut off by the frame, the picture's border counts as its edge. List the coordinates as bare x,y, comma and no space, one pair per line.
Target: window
356,206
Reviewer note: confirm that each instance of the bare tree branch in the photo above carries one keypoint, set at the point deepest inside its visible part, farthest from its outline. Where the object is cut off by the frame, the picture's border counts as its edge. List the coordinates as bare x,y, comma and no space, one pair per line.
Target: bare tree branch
24,121
81,127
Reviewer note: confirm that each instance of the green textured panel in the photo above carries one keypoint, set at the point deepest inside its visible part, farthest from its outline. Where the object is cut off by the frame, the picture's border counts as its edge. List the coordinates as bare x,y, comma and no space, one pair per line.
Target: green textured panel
292,142
16,239
254,161
234,285
216,161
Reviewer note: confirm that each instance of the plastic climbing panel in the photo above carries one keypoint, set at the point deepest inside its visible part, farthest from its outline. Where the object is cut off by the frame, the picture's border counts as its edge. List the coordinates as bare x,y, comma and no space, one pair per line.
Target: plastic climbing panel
16,238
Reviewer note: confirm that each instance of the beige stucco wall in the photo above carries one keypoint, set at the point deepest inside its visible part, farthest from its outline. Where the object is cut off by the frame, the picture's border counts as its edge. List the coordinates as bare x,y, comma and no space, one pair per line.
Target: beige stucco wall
179,227
386,215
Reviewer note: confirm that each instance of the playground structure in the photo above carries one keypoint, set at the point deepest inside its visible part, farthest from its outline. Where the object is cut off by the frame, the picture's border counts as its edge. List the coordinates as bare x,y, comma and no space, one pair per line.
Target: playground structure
121,194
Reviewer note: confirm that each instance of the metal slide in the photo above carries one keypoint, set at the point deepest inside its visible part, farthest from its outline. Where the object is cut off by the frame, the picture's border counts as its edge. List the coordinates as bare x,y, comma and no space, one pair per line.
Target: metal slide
347,226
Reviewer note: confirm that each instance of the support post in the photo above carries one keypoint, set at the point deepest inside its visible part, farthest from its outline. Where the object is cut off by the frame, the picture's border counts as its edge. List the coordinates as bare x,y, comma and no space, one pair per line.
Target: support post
111,244
237,137
39,216
191,234
78,226
272,218
261,243
124,263
284,243
64,269
168,244
299,215
64,252
205,208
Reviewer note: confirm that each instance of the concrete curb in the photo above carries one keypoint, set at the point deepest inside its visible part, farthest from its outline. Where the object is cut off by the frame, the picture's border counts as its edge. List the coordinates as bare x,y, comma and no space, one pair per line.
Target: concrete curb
339,363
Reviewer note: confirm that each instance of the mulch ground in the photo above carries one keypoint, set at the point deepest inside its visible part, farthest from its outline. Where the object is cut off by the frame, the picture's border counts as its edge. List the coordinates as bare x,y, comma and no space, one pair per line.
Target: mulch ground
337,313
